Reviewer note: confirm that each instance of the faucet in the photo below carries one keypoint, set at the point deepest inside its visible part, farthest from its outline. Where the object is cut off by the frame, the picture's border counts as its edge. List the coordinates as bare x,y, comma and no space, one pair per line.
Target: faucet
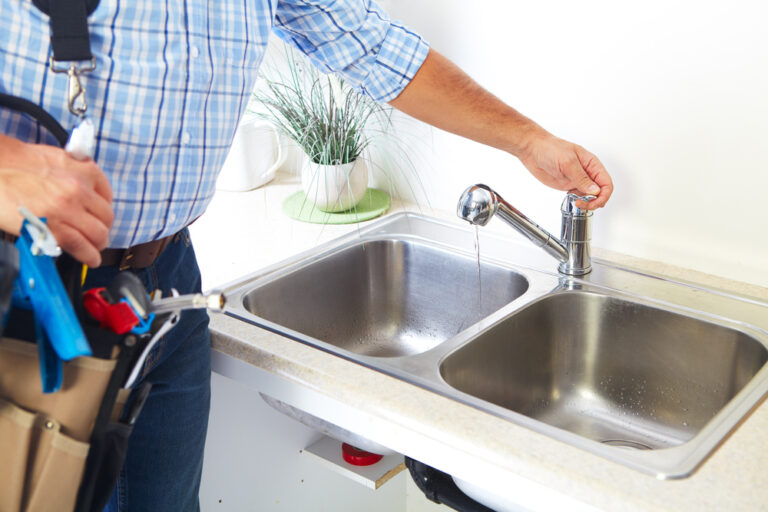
479,203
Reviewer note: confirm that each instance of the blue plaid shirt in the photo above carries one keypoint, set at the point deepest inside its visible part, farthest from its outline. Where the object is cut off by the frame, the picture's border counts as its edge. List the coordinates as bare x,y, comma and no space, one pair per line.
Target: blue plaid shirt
172,79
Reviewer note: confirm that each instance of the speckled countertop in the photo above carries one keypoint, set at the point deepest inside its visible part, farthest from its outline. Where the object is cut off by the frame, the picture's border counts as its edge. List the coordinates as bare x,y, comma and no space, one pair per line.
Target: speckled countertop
449,435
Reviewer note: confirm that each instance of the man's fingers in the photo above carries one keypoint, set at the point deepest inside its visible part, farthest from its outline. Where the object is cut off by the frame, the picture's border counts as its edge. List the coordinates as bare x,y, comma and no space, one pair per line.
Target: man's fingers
602,198
100,209
599,175
75,243
101,184
580,180
93,229
86,213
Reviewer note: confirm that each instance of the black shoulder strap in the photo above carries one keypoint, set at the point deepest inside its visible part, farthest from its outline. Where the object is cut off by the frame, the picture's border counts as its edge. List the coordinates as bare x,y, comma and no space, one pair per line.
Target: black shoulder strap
69,27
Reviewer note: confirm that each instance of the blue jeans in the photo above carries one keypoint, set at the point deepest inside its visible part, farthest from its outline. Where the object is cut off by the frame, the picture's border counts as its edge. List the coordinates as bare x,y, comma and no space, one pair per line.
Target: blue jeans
165,452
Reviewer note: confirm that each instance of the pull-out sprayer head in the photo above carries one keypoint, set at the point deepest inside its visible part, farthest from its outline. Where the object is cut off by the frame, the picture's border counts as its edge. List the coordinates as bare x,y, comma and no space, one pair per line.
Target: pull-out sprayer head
477,205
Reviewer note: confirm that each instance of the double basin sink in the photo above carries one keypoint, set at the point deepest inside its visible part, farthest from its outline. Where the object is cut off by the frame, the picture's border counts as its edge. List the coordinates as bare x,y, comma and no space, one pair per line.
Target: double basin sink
641,370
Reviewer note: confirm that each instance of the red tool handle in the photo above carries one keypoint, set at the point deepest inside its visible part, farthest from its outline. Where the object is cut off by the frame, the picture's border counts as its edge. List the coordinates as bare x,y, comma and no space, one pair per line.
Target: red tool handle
118,317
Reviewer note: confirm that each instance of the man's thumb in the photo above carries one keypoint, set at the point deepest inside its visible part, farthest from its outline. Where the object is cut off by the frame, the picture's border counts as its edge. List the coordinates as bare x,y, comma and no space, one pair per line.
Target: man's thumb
585,185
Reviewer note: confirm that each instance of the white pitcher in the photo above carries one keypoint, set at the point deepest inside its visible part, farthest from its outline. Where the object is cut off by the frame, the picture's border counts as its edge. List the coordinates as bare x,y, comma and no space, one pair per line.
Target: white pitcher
253,159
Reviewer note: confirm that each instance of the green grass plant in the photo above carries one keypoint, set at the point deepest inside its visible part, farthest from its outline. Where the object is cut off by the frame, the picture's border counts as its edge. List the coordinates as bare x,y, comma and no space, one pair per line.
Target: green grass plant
332,123
323,115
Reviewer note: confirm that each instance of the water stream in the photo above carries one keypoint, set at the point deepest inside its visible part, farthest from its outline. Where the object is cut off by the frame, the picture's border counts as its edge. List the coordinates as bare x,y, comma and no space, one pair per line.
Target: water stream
479,276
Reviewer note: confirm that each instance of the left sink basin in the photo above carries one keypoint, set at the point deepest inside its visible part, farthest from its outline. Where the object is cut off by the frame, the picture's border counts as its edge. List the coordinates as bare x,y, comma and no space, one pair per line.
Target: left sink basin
386,297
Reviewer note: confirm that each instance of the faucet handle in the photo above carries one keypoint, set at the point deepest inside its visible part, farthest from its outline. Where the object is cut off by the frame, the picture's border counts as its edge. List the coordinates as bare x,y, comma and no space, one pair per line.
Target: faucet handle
569,204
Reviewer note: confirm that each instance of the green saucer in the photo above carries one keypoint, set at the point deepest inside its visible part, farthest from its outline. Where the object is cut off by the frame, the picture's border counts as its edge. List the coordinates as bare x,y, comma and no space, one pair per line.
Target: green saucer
374,203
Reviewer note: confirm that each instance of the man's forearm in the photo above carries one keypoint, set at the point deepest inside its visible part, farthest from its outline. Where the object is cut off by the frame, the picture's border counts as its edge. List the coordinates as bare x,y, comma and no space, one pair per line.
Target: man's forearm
444,96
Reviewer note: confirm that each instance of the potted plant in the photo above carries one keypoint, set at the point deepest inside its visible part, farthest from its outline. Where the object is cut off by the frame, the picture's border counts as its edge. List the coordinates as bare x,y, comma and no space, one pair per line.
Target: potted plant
331,123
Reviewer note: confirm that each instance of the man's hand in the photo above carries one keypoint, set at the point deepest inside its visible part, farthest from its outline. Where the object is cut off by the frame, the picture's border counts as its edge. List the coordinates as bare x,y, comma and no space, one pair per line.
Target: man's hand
74,196
565,166
444,96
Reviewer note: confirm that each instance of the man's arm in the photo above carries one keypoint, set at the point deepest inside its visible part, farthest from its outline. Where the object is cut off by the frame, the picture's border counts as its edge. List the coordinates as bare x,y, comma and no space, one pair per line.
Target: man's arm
444,96
74,196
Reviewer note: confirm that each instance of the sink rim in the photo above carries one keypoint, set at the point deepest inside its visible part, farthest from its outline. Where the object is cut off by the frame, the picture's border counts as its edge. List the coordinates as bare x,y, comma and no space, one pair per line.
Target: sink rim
423,369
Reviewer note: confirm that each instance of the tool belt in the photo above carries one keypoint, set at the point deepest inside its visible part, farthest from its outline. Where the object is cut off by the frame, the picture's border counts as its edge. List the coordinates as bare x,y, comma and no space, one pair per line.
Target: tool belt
63,450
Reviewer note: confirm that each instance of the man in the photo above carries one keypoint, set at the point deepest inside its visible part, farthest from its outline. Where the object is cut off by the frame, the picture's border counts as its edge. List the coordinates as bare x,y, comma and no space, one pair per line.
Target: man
171,80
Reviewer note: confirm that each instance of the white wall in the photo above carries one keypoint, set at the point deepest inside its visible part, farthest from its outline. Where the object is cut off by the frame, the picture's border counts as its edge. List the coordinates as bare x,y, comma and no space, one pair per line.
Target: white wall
672,95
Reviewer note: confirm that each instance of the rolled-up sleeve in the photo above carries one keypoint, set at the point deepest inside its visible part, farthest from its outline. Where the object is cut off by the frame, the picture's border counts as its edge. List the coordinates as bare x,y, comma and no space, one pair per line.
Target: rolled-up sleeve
356,39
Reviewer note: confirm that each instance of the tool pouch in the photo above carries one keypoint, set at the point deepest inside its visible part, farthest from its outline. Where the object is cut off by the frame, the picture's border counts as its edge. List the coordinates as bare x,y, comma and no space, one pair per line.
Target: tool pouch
44,437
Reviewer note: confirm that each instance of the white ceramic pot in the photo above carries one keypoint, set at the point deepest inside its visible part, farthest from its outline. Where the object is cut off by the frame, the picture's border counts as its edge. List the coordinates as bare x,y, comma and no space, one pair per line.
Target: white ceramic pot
253,159
334,188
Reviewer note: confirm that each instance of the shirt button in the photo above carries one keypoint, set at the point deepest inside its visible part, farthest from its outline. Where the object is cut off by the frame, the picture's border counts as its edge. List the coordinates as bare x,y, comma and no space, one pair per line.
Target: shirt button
194,51
185,138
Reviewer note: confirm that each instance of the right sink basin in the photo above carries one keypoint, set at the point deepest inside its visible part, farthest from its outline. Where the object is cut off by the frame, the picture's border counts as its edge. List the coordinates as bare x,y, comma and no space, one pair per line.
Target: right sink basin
608,369
651,385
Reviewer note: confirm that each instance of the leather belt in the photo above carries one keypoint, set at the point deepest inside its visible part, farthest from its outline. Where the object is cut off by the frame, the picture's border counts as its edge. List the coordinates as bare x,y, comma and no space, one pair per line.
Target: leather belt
137,257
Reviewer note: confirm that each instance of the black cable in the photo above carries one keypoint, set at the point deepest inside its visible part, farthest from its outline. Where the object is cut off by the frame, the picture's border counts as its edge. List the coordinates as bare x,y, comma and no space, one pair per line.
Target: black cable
38,114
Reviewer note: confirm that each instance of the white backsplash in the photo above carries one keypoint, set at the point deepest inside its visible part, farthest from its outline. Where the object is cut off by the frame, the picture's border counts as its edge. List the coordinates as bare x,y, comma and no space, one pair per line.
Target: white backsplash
671,96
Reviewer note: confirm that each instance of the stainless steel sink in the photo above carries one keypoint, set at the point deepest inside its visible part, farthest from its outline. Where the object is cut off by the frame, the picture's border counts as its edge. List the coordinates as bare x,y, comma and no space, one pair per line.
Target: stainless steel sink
612,370
385,297
647,372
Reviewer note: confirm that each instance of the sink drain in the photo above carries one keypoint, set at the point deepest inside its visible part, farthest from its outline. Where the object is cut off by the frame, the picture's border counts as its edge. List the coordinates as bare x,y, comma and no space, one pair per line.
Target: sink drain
623,443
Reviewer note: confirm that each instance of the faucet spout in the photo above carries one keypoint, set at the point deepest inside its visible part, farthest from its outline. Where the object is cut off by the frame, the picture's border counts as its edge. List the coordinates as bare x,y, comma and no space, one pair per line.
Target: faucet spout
479,203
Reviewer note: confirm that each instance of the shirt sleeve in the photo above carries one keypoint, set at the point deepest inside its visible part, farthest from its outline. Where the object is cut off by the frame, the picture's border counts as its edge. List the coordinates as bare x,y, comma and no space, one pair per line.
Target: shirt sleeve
356,39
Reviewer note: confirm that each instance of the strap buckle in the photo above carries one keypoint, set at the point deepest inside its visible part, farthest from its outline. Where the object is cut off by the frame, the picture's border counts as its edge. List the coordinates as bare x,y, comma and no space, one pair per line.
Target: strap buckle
43,241
75,90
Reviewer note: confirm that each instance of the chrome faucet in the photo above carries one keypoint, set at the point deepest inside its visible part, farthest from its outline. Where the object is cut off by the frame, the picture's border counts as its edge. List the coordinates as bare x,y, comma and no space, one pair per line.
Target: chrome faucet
479,203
